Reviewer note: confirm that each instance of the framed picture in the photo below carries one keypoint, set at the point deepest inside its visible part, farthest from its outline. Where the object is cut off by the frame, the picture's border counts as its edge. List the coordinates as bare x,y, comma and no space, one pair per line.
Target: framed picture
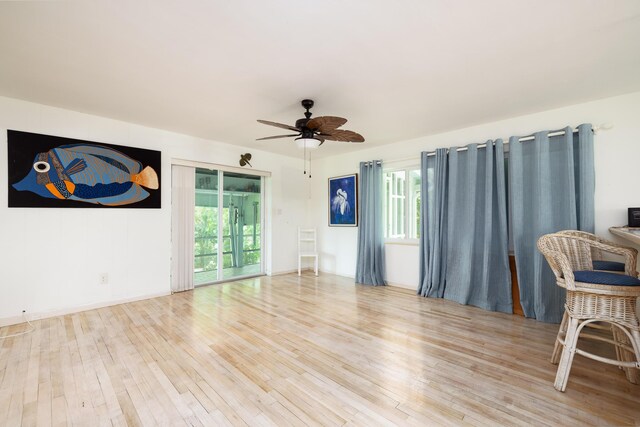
343,201
53,172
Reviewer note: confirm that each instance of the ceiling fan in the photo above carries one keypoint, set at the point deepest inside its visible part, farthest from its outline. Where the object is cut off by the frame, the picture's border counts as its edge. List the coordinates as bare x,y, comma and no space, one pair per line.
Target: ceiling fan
311,133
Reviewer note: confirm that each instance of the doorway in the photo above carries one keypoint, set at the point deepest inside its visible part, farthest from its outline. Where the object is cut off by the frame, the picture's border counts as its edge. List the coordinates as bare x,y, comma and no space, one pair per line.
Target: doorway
228,226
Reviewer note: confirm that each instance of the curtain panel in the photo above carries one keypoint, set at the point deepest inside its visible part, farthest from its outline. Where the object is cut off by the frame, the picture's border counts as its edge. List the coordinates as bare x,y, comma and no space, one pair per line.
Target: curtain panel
370,259
183,200
551,188
478,271
433,224
464,234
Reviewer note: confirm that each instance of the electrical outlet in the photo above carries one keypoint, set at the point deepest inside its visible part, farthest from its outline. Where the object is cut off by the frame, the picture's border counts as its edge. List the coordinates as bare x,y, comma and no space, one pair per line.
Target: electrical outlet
104,279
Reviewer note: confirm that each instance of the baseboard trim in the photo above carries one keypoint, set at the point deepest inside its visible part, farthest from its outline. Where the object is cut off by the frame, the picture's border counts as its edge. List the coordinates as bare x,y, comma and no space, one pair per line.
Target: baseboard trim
282,272
400,285
295,270
14,320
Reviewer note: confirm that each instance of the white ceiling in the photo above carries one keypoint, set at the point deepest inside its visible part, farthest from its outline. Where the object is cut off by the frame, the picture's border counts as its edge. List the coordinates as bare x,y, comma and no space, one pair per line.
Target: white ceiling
396,69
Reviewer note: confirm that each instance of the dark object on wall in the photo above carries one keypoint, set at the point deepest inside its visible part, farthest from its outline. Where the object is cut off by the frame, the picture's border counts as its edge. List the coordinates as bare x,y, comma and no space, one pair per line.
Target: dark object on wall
634,217
244,159
343,201
53,172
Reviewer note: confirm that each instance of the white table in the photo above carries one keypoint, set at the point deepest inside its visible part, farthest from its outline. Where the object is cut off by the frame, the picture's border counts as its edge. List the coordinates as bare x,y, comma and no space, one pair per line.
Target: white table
630,234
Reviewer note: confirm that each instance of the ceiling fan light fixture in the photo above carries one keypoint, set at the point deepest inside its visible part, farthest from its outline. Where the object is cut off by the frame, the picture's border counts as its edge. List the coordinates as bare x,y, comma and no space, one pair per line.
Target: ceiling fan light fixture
308,143
311,133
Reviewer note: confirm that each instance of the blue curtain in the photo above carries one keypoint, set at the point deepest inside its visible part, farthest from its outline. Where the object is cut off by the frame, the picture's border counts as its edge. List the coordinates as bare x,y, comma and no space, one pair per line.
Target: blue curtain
433,224
551,187
370,263
477,236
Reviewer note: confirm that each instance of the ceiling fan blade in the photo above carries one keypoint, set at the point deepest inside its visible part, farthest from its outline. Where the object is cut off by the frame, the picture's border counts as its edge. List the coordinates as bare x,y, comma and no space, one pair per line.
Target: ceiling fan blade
342,135
277,136
325,123
279,125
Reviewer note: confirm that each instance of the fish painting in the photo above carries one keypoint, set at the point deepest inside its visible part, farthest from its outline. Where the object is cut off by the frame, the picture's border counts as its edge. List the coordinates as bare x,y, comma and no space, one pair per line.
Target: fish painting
89,173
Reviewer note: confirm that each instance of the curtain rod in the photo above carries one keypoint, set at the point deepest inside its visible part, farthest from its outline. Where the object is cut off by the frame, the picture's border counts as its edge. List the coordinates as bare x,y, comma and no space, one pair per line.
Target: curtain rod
596,129
369,163
522,139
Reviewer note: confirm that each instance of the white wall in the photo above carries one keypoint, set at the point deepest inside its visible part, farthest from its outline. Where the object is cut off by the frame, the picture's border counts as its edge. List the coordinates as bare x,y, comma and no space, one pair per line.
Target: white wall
51,259
617,152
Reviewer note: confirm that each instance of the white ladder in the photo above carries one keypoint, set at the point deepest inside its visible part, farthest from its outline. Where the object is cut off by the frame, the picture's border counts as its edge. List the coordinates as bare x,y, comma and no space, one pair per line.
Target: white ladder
307,247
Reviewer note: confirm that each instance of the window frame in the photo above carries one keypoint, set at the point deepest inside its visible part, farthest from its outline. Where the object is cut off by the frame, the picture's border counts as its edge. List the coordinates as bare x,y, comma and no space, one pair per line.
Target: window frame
407,205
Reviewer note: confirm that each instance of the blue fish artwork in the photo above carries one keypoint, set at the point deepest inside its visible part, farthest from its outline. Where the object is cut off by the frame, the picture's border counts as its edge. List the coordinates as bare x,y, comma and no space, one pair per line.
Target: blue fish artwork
89,173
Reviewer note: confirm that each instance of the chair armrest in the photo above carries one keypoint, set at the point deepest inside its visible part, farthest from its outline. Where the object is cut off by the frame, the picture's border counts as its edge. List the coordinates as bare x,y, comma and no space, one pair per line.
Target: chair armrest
592,237
630,254
560,266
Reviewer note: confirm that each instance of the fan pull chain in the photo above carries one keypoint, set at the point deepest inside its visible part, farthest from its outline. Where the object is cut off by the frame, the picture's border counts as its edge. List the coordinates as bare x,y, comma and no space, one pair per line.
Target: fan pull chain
309,164
304,159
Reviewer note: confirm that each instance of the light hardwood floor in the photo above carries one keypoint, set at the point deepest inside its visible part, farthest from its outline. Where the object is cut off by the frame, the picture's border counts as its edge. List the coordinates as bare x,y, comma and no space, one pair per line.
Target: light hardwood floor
293,351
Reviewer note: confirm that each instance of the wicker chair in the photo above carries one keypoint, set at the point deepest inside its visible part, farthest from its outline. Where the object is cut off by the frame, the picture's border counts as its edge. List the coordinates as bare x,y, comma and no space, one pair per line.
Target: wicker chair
594,297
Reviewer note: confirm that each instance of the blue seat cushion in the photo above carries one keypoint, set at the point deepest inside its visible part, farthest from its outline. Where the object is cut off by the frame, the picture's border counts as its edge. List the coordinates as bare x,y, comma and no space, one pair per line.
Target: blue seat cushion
608,265
604,278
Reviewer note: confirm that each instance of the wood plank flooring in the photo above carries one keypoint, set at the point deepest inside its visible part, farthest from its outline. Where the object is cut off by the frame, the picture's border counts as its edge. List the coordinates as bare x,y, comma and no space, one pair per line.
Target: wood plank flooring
299,351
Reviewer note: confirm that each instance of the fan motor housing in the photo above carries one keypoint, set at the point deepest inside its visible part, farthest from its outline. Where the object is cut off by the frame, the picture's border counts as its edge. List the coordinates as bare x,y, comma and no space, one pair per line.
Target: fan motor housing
302,123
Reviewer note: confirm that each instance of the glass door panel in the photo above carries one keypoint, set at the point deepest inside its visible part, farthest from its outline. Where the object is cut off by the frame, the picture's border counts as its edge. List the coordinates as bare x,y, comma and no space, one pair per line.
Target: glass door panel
206,227
241,225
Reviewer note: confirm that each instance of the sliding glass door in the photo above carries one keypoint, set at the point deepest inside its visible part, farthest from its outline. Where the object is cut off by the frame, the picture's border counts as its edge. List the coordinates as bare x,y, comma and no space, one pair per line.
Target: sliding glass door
241,218
205,262
228,226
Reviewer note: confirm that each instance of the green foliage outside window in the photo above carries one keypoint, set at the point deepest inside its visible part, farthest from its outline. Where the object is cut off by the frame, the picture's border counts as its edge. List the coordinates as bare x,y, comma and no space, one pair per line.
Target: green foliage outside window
206,225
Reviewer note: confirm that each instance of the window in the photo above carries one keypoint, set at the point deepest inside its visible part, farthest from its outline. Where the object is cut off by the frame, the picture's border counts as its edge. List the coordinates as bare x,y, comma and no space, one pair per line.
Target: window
402,204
